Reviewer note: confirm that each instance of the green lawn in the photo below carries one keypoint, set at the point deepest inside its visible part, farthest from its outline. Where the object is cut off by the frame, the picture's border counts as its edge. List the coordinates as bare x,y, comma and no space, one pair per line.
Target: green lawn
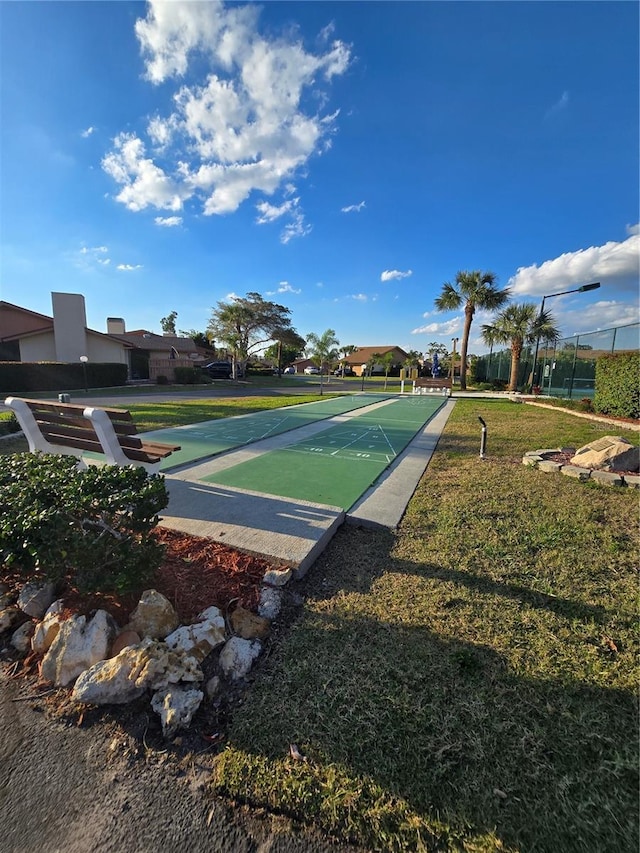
468,682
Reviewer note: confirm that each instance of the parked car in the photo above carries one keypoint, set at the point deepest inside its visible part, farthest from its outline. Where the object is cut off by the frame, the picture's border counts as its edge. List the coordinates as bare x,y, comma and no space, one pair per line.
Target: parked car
312,369
289,370
344,371
218,369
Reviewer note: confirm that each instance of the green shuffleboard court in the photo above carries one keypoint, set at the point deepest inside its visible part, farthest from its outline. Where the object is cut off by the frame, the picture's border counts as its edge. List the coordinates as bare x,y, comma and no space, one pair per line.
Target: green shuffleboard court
198,441
337,465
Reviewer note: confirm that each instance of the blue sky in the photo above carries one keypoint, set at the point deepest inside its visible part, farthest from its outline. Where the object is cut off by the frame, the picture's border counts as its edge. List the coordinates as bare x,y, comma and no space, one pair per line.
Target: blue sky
343,159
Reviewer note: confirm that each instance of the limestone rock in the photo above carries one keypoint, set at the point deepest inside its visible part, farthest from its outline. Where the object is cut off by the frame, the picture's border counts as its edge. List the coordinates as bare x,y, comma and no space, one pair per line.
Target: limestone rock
154,616
610,453
47,630
124,639
148,665
9,616
21,639
238,655
77,646
249,625
277,577
270,602
176,707
200,638
34,599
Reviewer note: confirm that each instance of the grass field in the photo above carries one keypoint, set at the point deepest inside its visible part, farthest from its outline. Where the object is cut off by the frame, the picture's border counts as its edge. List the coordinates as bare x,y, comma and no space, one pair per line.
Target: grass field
470,681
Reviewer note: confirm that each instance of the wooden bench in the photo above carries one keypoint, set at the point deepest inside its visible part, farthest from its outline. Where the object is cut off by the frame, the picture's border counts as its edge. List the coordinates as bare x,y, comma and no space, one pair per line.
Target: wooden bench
425,384
64,428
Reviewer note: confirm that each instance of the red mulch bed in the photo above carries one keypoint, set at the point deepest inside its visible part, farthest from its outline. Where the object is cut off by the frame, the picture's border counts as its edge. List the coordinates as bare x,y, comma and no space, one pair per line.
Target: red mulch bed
195,573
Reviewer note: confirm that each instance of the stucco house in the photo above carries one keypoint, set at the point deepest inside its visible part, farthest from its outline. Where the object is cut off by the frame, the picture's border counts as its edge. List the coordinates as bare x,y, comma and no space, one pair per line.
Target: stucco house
361,358
64,337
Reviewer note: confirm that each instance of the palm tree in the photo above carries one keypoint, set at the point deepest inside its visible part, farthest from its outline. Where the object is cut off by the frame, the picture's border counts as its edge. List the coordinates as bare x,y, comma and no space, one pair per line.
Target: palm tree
323,349
518,325
474,290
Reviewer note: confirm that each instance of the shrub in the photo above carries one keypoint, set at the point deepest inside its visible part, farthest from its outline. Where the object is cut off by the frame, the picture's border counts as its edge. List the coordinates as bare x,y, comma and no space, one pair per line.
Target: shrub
9,424
92,525
17,376
617,386
162,380
187,375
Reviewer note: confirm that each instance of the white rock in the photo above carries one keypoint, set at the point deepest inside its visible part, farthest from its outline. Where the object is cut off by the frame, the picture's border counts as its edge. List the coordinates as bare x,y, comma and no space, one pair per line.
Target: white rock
238,655
176,707
154,616
610,452
149,665
270,602
21,639
34,599
200,638
47,630
77,646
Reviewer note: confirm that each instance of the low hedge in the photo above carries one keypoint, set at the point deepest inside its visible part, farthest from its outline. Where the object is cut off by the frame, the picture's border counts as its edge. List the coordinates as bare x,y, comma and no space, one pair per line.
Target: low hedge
19,376
618,385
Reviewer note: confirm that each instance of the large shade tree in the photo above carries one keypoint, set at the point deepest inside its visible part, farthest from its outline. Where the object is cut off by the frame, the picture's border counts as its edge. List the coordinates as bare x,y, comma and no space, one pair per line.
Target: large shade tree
246,324
519,325
323,350
475,290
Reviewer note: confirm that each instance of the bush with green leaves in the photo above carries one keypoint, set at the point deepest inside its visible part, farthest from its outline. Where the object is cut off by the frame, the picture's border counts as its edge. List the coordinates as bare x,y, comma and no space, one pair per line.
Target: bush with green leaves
93,526
618,385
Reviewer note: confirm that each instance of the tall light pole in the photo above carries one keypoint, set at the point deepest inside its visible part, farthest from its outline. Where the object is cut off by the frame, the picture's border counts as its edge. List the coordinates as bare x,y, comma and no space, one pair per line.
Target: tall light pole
594,286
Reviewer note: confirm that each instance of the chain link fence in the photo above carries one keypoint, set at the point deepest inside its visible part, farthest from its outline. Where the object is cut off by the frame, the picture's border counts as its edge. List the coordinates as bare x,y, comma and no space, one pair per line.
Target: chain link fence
567,369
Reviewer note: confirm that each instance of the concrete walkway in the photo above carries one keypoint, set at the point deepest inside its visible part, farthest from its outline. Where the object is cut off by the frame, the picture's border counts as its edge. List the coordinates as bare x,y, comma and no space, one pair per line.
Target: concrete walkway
283,530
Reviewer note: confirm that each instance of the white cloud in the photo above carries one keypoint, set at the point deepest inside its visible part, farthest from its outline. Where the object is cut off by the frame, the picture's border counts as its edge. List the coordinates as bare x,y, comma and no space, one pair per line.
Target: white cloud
359,297
604,314
615,265
241,127
633,229
143,183
448,327
284,287
129,267
560,105
85,134
86,250
271,212
389,275
353,208
168,221
296,228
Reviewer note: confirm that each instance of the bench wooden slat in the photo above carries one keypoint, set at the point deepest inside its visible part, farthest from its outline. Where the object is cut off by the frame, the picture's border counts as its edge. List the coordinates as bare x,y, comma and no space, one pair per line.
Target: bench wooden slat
75,419
110,432
73,408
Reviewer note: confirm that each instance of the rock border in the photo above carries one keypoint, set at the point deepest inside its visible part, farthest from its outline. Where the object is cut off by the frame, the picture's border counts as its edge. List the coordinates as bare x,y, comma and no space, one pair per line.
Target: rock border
542,460
102,663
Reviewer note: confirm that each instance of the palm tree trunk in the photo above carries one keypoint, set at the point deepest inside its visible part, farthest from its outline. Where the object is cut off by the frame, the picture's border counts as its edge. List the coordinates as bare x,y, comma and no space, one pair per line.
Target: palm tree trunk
516,352
468,317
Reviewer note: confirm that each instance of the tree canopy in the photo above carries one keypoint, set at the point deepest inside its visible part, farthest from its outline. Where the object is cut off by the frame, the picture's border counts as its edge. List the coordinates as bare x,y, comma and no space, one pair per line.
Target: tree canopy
517,325
168,323
474,290
246,323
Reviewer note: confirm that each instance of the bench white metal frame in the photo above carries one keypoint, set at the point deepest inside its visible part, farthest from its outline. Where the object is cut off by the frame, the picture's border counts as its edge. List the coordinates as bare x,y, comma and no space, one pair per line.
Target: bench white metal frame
64,428
429,385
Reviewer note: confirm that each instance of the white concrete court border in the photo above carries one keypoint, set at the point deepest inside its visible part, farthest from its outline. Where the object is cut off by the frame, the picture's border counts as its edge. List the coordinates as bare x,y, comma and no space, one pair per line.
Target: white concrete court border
286,531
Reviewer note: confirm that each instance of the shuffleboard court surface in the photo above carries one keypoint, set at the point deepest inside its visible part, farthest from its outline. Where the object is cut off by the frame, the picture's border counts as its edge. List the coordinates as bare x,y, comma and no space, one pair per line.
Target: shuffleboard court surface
337,465
199,441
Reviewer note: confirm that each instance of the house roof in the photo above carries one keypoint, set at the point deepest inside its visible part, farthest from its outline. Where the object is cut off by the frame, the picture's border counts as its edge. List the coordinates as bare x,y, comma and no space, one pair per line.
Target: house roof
141,339
363,354
32,324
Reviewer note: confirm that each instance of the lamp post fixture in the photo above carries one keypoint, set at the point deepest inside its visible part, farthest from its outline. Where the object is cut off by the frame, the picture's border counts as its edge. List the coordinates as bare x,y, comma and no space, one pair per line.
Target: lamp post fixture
84,359
594,286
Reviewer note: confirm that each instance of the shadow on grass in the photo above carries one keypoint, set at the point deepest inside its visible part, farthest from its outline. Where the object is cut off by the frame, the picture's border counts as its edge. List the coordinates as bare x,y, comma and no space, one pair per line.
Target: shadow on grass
446,725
